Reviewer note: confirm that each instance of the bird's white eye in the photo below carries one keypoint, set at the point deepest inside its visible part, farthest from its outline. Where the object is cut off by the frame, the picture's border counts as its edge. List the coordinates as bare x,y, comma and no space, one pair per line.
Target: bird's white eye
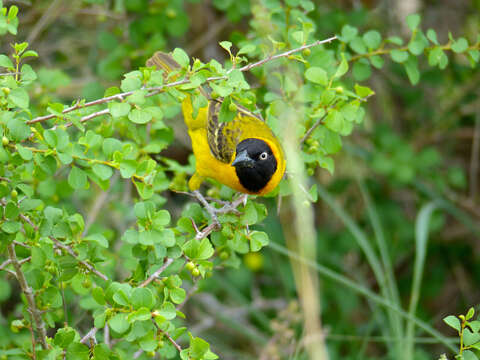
263,156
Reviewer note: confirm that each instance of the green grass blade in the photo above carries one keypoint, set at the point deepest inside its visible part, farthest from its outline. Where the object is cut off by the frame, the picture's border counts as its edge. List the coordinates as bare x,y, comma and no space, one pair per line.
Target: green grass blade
340,279
357,233
421,237
391,283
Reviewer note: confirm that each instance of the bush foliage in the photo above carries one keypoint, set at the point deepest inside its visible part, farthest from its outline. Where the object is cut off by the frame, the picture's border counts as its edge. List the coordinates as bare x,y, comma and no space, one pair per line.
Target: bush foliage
105,255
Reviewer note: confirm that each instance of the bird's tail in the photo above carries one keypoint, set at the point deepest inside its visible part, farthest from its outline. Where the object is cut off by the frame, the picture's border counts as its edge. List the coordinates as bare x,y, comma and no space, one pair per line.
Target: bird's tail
163,61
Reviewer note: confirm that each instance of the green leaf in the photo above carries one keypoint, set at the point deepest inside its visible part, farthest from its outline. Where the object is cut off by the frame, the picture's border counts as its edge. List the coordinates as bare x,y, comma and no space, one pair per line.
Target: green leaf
104,172
358,45
348,33
342,68
226,45
25,153
168,311
119,323
121,297
335,121
453,322
460,45
470,338
177,295
181,57
19,97
246,49
148,342
77,178
434,56
11,227
119,109
411,67
469,355
139,116
131,83
161,218
226,113
432,36
144,209
200,349
64,337
377,61
98,295
399,56
141,314
98,238
395,40
372,39
413,20
77,351
6,62
361,70
29,53
258,239
142,297
417,46
317,75
204,250
474,325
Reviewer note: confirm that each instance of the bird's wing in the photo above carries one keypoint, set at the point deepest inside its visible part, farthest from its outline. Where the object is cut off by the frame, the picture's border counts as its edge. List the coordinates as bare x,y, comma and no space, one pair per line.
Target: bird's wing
224,137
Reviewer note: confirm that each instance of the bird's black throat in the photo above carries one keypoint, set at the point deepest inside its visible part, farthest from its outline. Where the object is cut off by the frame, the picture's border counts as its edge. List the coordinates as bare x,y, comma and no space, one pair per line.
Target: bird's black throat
255,173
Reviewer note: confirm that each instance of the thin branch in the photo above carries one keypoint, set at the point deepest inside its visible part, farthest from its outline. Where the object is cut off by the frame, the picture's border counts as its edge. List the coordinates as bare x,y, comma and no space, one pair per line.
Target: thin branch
34,342
29,295
98,205
212,211
320,120
178,347
68,249
10,73
312,128
48,17
286,53
174,343
75,255
106,336
65,310
90,334
157,273
155,90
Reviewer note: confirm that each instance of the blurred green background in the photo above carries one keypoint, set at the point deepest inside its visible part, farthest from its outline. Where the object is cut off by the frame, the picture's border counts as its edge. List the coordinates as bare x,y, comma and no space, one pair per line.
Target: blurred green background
418,145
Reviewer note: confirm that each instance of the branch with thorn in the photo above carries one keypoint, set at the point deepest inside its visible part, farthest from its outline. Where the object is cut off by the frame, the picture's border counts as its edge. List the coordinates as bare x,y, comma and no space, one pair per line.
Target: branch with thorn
158,89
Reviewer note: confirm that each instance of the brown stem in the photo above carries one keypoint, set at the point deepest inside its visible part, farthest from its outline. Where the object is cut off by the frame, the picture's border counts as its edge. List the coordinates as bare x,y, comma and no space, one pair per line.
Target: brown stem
29,295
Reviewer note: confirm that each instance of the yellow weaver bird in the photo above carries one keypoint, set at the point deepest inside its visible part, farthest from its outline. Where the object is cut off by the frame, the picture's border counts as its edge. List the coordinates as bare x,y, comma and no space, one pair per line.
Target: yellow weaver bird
243,153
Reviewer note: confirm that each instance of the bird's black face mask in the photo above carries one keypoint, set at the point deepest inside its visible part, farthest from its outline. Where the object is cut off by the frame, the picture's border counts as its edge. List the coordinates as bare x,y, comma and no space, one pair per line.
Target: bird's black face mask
254,164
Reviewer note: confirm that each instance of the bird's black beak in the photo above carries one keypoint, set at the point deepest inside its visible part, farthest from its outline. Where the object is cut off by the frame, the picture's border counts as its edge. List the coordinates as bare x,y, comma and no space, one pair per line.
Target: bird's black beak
243,159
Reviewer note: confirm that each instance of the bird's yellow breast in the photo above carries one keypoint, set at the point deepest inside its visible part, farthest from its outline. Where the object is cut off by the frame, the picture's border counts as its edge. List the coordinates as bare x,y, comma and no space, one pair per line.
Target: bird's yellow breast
207,166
